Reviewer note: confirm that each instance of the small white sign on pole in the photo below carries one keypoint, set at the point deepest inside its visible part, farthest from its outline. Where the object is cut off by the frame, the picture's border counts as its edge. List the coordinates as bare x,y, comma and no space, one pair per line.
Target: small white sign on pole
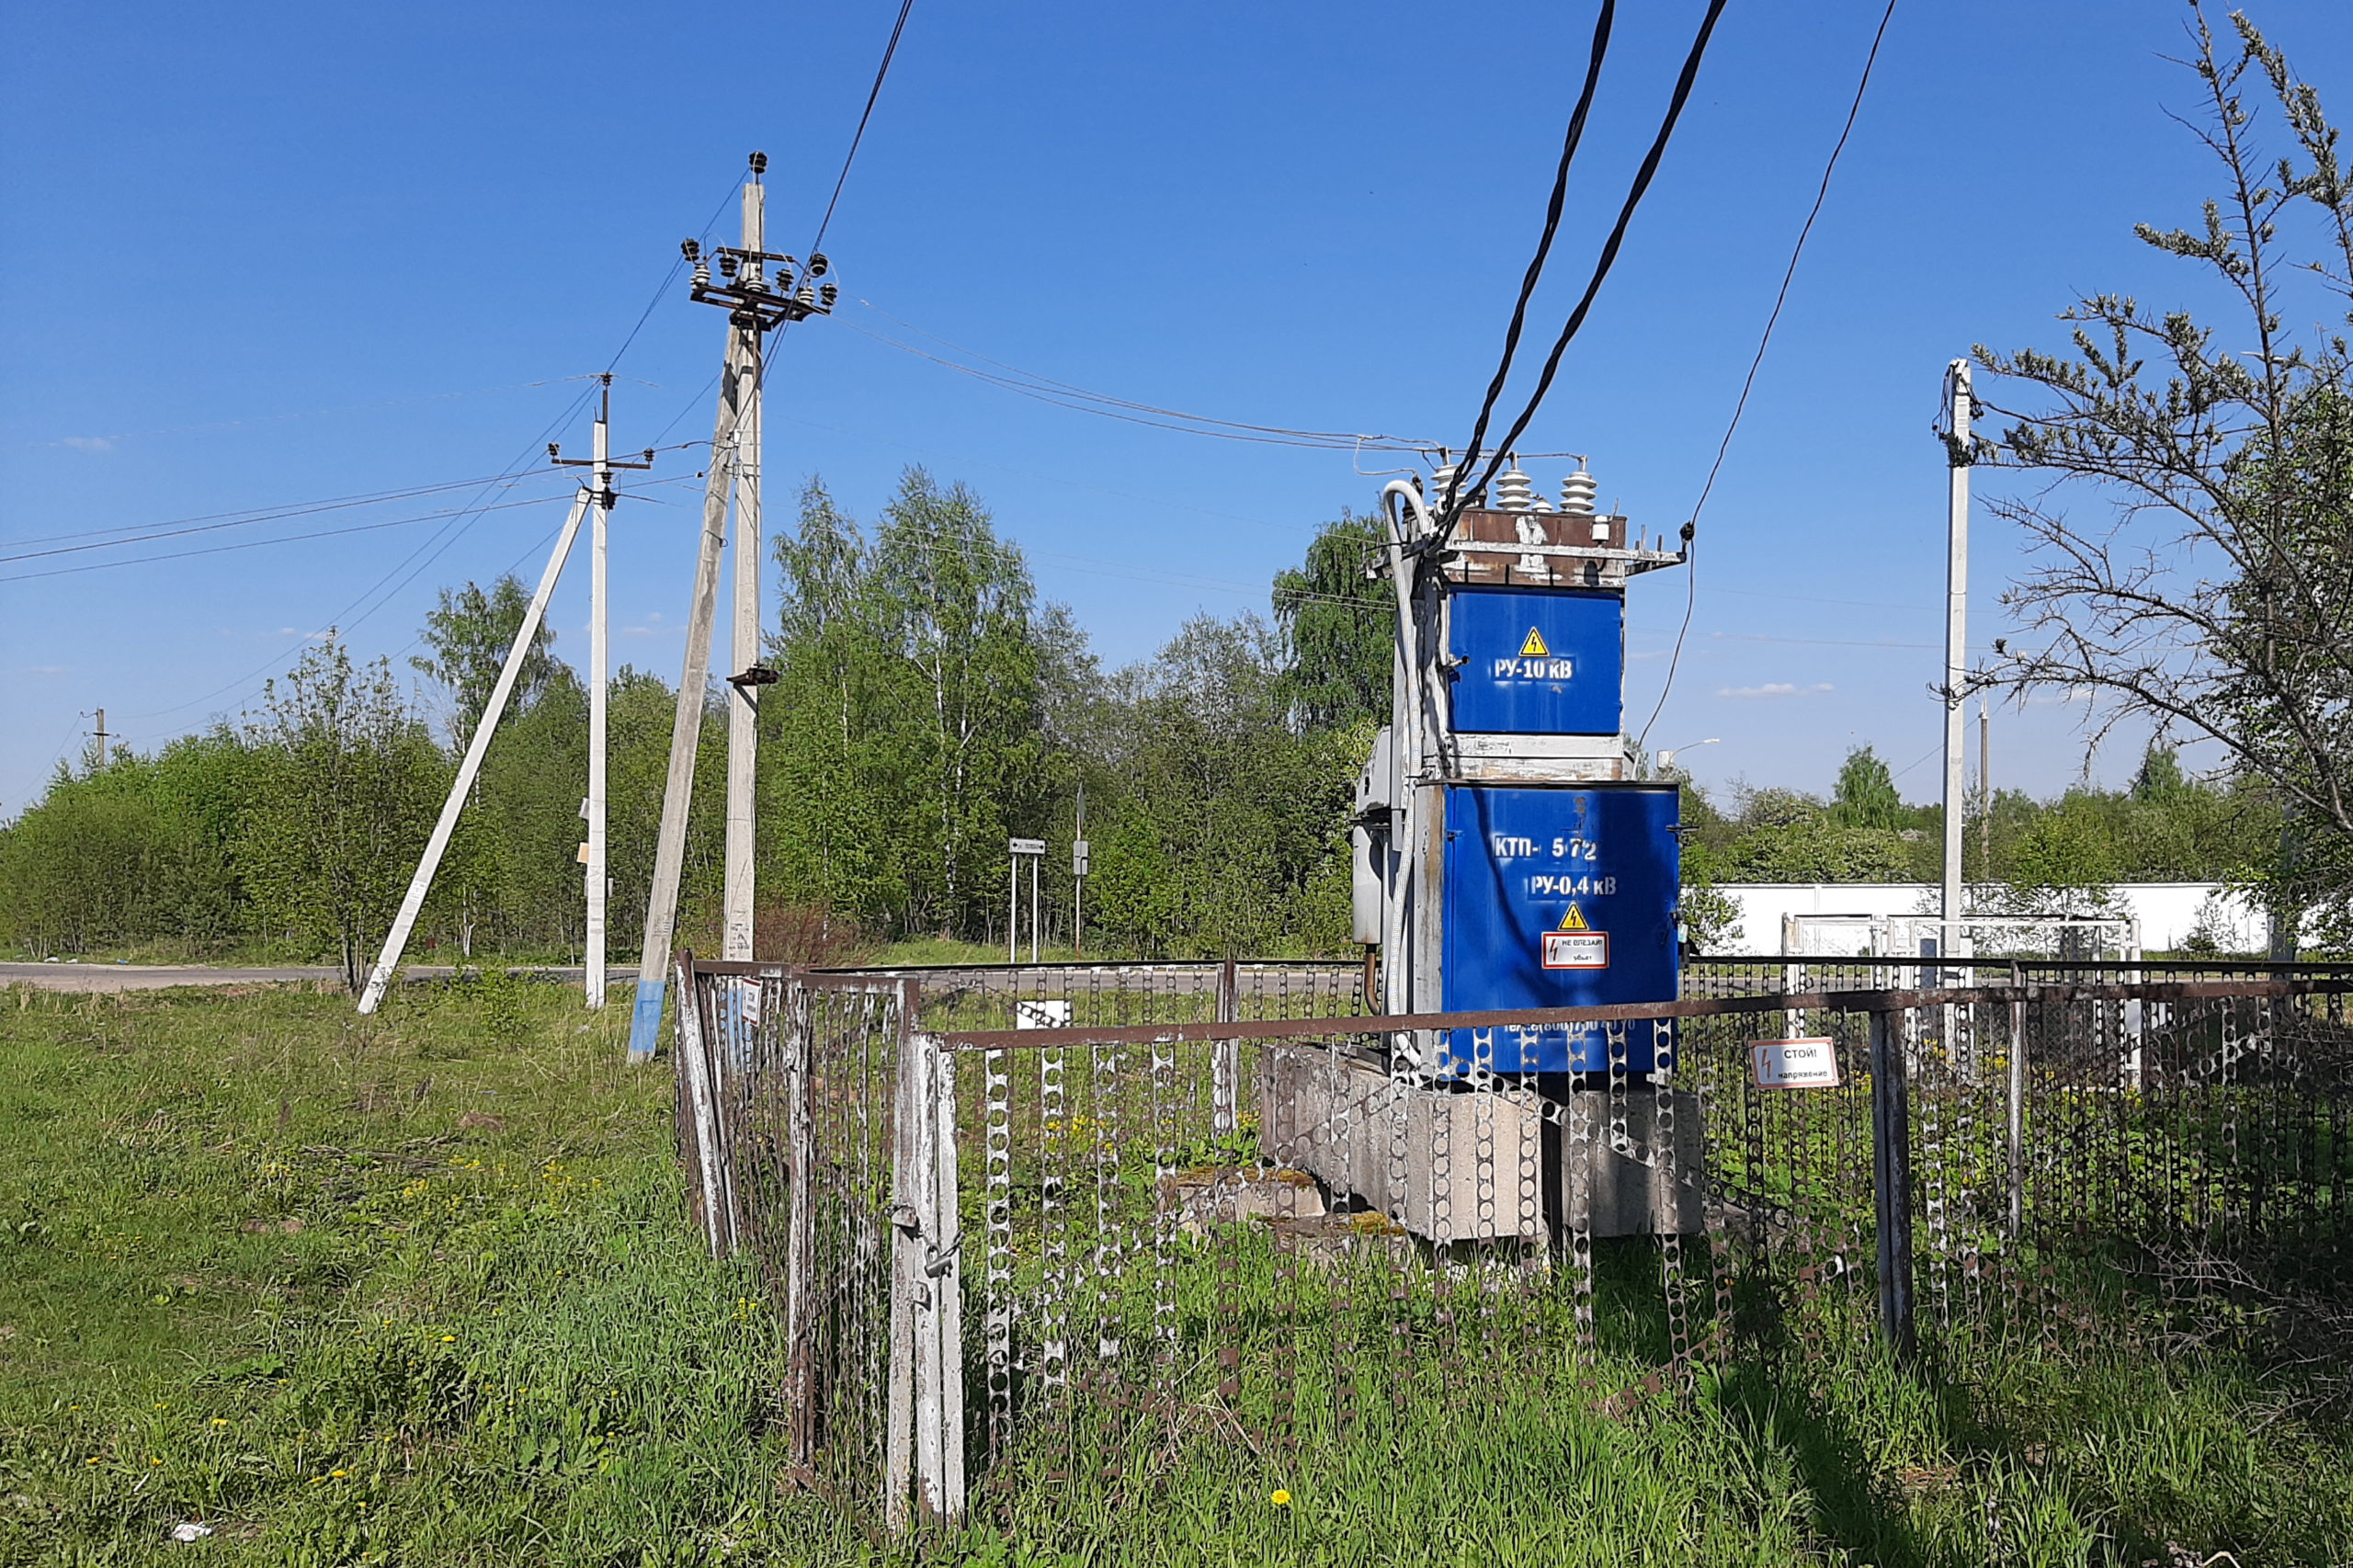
1029,847
1794,1063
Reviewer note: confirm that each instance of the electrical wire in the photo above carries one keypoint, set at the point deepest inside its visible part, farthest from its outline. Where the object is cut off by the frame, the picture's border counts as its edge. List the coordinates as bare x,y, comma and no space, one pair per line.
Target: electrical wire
764,349
449,533
1064,395
663,291
296,538
1544,244
889,50
186,526
1749,384
1601,268
386,587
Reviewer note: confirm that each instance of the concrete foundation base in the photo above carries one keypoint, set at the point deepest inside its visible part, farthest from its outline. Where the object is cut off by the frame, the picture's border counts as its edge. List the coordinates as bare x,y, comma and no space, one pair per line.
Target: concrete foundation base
1451,1166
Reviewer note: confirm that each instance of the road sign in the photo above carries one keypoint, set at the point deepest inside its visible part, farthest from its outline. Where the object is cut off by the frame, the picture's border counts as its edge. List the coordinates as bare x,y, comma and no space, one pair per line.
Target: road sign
1809,1063
1078,858
1029,847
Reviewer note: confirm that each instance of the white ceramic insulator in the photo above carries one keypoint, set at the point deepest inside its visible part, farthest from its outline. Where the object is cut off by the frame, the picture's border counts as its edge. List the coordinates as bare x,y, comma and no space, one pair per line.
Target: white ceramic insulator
1577,492
1514,493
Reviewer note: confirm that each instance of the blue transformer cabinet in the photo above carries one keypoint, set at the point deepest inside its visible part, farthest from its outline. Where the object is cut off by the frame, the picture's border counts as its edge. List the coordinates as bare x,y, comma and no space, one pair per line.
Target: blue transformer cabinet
1559,896
1538,661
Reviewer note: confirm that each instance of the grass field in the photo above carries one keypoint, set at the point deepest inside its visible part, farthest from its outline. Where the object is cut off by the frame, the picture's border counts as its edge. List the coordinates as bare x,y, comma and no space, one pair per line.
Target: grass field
418,1289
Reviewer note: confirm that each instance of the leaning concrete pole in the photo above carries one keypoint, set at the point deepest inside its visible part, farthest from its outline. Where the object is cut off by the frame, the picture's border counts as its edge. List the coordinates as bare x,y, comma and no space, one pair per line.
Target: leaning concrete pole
396,940
686,728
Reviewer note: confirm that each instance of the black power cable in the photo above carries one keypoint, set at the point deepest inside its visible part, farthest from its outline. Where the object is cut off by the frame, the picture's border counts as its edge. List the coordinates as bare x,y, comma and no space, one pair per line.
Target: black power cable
1544,244
1691,524
872,93
763,348
1601,266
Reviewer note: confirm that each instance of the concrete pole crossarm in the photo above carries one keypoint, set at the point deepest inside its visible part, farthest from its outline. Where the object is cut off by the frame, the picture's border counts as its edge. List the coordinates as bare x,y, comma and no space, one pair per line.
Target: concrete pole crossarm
686,730
435,846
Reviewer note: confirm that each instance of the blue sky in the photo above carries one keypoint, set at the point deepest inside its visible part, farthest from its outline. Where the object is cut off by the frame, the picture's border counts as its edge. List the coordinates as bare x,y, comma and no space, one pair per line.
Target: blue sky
270,255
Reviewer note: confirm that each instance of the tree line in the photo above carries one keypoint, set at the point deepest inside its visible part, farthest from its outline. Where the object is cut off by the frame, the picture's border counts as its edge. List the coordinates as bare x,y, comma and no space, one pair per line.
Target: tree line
929,706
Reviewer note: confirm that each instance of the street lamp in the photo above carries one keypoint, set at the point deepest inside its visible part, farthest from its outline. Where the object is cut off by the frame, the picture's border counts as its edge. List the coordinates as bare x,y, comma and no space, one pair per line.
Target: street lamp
1666,757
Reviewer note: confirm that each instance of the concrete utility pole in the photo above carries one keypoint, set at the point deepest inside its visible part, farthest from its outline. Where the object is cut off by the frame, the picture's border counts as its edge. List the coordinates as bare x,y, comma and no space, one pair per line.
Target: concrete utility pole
744,703
753,307
1957,460
601,501
100,735
396,940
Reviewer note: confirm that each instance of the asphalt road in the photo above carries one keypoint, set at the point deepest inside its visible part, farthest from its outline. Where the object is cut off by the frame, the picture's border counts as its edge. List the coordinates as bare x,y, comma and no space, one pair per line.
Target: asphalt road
85,977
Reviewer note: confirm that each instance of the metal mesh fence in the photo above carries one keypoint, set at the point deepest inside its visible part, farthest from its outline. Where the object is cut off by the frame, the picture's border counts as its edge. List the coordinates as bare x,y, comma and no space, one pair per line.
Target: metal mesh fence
1171,1204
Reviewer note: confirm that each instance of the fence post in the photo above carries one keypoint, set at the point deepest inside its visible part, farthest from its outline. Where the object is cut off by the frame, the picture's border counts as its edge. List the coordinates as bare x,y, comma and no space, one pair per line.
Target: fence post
907,1275
800,1262
1892,1185
703,1112
1225,1058
945,1265
2018,1119
925,1453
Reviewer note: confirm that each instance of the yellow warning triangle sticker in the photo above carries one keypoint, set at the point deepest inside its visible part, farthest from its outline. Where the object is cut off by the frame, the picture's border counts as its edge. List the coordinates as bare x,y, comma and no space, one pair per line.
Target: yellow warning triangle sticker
1574,920
1533,648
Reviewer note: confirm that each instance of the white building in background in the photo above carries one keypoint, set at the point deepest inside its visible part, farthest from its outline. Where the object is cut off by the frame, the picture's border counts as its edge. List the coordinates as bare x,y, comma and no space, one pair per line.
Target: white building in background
1838,918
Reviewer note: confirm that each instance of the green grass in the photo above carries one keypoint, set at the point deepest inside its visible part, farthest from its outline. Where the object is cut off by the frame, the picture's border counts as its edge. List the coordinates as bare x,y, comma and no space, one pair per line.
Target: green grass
413,1288
949,950
419,1289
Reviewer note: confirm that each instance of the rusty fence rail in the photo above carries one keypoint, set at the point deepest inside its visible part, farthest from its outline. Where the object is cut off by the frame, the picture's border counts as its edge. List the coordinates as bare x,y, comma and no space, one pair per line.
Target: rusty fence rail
1009,1253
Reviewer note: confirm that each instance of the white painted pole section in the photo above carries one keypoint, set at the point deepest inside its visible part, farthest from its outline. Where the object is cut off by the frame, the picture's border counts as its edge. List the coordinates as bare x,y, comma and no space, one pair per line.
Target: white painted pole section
413,900
743,702
593,939
1956,411
686,725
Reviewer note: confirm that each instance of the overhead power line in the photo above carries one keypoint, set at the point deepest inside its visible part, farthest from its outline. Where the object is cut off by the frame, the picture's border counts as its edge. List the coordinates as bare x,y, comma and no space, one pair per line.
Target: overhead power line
890,51
1601,266
215,522
1543,244
475,509
1062,395
1748,383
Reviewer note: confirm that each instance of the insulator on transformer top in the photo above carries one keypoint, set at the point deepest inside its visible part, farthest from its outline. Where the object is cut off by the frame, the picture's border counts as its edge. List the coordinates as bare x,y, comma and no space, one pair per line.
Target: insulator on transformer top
1514,493
1439,480
1577,492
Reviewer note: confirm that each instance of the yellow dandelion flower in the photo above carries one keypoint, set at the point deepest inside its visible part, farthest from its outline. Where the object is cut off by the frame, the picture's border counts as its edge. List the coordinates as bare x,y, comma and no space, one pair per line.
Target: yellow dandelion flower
338,1474
448,1339
219,1421
1280,1498
91,1460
